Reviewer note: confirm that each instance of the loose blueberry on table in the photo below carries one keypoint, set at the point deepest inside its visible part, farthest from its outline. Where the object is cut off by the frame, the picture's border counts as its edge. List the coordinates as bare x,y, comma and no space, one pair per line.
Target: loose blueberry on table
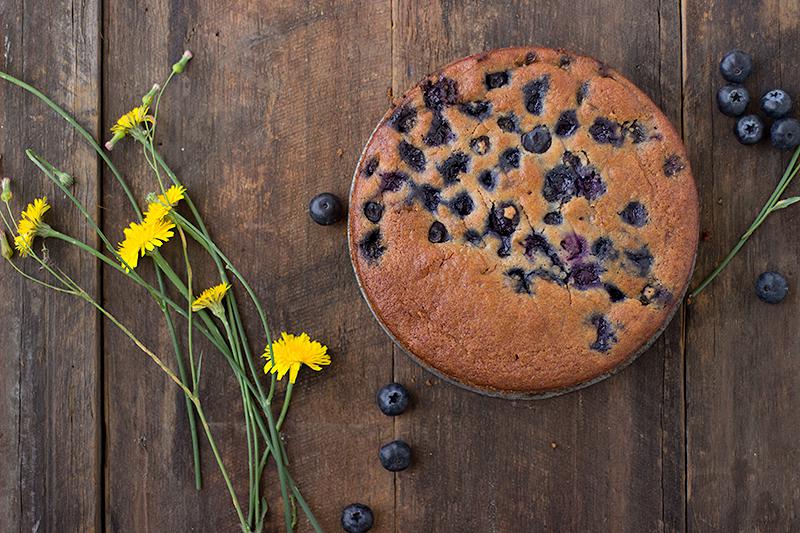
736,66
732,100
395,456
393,399
325,209
357,518
749,129
771,287
776,103
785,134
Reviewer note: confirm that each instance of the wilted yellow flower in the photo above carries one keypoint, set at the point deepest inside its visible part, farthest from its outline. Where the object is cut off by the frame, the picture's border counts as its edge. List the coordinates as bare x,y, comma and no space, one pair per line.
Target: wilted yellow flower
292,352
143,237
211,299
165,202
30,224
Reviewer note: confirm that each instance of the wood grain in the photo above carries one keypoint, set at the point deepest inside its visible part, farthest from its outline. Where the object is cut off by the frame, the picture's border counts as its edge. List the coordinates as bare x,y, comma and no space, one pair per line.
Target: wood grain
698,434
50,410
741,359
273,109
602,459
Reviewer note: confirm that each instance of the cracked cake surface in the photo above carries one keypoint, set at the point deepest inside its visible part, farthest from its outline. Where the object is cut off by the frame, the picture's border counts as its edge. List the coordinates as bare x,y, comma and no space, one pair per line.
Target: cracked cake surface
524,221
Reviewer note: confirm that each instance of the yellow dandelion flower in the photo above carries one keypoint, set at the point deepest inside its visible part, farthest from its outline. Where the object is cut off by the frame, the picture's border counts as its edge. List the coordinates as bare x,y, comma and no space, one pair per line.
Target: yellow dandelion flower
132,119
29,225
143,237
211,299
292,352
165,202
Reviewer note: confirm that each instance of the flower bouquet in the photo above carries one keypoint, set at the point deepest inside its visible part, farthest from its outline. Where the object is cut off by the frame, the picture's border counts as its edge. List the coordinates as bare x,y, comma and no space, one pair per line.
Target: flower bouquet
170,218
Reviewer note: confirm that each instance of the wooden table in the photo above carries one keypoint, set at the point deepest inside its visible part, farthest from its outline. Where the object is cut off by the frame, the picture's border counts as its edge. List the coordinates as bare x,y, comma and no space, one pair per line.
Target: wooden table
701,433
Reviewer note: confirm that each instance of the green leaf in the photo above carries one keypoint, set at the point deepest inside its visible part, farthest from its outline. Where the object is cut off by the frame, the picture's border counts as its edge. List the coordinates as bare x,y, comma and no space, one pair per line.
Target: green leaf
786,202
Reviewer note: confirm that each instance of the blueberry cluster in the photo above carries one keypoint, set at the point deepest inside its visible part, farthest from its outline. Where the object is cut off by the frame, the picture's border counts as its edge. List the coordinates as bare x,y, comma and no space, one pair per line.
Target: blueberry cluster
776,105
393,399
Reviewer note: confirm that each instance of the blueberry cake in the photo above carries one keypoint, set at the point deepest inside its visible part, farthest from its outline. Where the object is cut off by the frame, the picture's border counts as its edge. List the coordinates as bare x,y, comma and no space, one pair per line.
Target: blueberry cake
524,221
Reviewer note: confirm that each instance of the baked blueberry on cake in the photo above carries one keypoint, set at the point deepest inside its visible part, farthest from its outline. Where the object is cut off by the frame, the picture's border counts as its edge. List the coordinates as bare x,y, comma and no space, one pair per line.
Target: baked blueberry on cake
524,221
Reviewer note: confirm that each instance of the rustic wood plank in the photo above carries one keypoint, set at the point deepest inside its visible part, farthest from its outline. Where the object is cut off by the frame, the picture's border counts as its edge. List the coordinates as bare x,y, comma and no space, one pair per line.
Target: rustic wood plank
50,410
741,361
274,108
607,458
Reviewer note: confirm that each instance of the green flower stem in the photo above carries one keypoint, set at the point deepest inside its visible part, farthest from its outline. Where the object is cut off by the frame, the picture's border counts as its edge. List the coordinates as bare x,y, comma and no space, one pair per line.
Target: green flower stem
246,405
198,482
195,400
769,207
286,399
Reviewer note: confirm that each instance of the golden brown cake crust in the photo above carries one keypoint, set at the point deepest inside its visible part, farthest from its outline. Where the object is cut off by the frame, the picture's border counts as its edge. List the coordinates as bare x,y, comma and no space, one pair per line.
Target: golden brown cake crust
520,266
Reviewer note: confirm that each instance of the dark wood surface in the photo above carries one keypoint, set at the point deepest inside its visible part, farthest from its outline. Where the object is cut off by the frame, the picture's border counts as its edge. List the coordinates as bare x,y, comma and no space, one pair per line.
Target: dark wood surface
698,434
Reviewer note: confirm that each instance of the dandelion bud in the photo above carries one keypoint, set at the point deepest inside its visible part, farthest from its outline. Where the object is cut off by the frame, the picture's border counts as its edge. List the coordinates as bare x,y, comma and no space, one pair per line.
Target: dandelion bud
5,247
114,140
6,195
180,66
64,179
148,98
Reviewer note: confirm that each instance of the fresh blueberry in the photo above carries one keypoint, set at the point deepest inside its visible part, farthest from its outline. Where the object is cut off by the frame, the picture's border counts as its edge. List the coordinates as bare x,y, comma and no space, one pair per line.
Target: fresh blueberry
635,214
325,209
582,92
357,518
732,100
749,129
567,124
776,103
437,233
537,140
393,399
771,287
373,211
589,183
395,456
785,133
637,132
736,66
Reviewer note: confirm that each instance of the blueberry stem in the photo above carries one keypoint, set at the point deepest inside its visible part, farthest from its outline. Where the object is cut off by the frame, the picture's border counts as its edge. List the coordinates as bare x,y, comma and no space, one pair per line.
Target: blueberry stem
773,204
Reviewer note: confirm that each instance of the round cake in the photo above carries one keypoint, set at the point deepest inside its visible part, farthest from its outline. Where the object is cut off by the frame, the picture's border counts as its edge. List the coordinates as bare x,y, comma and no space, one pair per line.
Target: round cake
524,221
